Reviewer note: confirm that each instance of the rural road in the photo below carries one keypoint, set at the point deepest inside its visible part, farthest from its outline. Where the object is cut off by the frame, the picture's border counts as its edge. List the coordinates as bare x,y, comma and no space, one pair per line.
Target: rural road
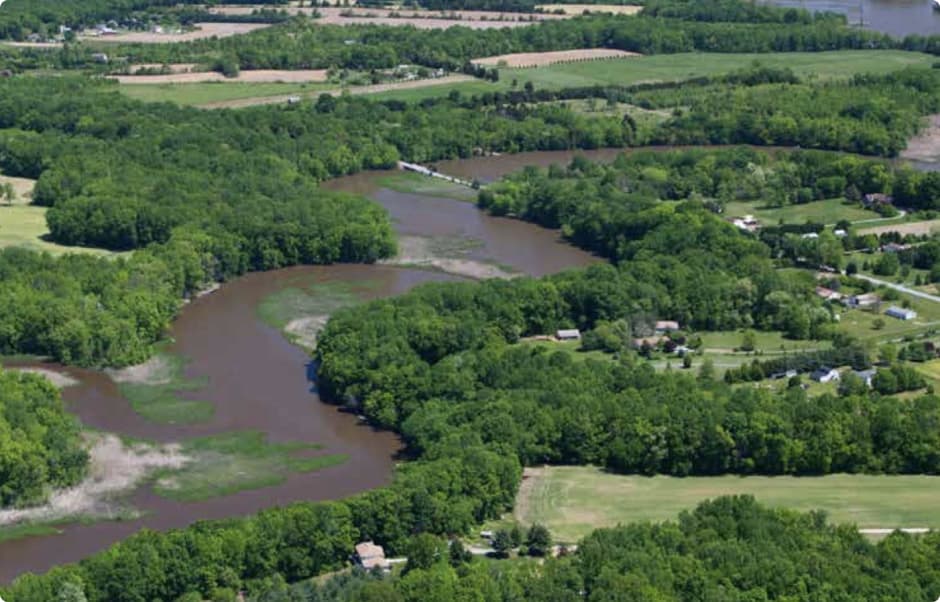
900,287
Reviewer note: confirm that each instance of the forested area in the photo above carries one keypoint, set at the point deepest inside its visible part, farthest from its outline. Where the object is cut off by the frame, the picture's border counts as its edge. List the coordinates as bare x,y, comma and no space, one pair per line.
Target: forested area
772,554
40,446
213,194
626,195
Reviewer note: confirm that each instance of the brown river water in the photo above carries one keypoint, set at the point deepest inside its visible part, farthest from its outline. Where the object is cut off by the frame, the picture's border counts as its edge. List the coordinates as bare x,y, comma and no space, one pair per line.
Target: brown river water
258,381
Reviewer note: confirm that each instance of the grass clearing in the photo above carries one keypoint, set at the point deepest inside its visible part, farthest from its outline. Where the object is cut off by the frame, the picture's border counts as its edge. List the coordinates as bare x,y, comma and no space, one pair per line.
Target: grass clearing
231,462
572,501
414,183
25,226
822,65
827,212
577,9
209,92
157,394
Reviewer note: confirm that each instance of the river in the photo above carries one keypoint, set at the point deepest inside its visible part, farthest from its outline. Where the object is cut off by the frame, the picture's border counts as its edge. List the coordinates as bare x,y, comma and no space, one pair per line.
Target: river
258,381
896,17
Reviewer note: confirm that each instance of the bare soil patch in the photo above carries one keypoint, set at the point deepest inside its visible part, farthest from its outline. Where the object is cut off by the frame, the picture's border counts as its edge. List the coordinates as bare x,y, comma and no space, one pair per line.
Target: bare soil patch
59,380
373,89
22,188
925,227
541,59
256,76
202,31
577,9
115,469
158,370
305,331
925,146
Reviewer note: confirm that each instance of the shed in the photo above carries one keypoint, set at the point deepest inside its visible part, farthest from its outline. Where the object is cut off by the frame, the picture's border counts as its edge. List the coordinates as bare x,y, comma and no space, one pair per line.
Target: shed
863,301
866,375
370,555
900,313
568,334
876,198
664,326
827,294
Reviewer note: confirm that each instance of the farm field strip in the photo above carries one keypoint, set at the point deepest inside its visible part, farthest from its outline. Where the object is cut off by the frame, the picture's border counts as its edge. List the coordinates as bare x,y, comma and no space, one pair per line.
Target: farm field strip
540,59
254,76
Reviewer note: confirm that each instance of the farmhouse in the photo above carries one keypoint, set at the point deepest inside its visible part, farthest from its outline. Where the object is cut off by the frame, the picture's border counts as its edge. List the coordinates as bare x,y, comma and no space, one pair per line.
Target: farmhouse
825,375
370,555
893,247
827,293
569,334
876,199
666,326
863,301
900,313
748,223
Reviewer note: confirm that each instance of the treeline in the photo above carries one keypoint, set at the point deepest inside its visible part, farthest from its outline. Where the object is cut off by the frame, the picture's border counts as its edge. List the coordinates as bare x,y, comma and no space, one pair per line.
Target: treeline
40,445
772,554
302,44
872,115
445,359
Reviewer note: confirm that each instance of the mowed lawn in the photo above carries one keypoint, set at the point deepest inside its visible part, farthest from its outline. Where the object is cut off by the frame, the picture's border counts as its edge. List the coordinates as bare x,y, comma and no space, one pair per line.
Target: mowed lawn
826,212
25,226
572,501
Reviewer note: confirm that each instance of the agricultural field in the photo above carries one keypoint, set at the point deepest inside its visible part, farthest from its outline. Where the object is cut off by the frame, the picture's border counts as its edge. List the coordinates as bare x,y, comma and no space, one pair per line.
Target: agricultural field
418,18
578,9
919,227
675,67
525,60
572,501
256,76
826,212
209,93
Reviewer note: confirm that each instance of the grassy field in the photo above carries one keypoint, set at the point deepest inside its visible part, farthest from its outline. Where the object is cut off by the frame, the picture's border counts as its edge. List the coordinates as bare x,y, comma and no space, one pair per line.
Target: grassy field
826,212
231,462
626,71
676,67
766,342
25,226
203,93
572,501
861,323
158,397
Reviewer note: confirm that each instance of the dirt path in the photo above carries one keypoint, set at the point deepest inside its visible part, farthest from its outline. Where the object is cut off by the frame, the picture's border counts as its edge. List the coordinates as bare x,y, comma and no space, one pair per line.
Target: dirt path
925,146
356,90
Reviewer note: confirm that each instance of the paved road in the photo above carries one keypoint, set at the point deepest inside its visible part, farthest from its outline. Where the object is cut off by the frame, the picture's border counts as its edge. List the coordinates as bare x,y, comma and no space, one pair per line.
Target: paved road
900,287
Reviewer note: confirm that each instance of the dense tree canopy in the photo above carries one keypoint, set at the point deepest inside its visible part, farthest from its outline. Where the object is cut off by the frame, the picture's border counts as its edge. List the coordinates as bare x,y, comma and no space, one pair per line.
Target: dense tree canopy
40,446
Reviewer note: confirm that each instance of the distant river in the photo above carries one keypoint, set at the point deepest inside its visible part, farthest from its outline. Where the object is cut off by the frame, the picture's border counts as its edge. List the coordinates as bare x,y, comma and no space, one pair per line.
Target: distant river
895,17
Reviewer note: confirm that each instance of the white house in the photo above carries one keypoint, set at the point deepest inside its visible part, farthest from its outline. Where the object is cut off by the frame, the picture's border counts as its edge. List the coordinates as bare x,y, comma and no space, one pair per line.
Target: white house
568,334
866,375
664,326
900,313
825,375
